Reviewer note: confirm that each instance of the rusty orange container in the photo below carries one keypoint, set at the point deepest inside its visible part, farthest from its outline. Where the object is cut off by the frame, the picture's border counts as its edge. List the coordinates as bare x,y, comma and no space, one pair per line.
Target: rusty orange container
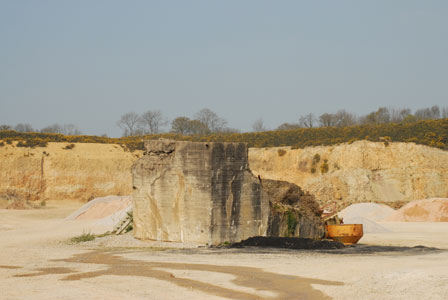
347,234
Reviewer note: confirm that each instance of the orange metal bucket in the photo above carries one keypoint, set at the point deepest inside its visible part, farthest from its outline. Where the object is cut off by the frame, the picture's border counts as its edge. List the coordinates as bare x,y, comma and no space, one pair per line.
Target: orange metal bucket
347,234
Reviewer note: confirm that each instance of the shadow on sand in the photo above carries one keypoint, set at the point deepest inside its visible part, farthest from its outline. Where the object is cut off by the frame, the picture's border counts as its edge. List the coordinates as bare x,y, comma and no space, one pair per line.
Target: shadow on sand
283,286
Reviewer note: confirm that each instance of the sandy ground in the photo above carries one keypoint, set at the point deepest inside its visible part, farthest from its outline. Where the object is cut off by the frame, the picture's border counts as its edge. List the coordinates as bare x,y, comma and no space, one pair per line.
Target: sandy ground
36,262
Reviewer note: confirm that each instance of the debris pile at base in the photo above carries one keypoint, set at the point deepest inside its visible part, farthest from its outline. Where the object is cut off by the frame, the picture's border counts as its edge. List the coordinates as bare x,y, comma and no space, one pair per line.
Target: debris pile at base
426,210
293,213
110,211
288,243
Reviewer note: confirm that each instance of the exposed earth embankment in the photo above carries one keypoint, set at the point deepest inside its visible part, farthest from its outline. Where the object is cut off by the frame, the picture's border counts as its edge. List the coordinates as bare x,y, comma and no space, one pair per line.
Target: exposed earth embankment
61,171
359,172
342,174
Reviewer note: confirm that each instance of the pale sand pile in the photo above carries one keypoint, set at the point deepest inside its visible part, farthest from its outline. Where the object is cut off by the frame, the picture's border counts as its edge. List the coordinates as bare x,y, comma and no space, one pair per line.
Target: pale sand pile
367,214
426,210
368,226
372,211
107,210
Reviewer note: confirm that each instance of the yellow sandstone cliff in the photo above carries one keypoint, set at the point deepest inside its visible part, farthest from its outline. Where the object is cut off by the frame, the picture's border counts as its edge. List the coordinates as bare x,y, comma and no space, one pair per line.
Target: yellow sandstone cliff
55,173
359,172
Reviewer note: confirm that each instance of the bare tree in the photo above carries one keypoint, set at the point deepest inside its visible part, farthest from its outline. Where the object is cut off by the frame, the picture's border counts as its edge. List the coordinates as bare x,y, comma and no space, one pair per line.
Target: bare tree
152,121
181,125
24,127
381,116
5,127
308,121
444,113
288,126
185,126
344,119
435,111
66,129
197,127
229,130
258,125
55,128
129,123
428,113
213,122
70,129
327,120
397,115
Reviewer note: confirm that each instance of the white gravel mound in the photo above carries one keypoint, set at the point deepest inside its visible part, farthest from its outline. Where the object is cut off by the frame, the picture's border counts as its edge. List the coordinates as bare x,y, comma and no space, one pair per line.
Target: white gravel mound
371,211
109,211
368,226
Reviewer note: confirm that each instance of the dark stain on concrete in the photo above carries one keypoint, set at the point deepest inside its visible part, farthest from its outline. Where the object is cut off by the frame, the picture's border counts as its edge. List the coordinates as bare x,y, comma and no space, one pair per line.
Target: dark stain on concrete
45,271
284,286
9,267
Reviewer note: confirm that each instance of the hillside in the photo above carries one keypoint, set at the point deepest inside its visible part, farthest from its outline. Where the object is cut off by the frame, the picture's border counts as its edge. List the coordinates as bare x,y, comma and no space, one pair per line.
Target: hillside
340,174
359,172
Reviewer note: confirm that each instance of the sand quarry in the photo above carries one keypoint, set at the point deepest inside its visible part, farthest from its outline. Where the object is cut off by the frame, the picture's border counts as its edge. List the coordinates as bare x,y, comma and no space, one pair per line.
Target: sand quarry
37,261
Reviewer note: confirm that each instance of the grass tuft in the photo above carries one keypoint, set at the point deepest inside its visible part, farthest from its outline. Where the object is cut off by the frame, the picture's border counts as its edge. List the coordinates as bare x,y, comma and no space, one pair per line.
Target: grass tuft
84,237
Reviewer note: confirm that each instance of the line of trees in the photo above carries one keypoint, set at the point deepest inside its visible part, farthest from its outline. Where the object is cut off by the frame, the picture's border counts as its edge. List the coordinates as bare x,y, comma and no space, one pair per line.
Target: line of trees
206,122
66,129
384,115
432,133
153,122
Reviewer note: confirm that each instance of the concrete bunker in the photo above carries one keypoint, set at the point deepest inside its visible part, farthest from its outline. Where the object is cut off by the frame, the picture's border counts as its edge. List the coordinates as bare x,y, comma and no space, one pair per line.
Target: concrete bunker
206,193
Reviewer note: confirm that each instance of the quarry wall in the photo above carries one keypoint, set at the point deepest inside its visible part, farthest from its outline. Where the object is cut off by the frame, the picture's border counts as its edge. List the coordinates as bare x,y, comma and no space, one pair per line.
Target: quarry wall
54,173
359,172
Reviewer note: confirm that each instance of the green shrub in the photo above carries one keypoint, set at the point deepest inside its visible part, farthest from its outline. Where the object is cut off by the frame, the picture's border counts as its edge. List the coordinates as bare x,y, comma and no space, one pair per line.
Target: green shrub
292,222
281,152
324,167
84,237
32,143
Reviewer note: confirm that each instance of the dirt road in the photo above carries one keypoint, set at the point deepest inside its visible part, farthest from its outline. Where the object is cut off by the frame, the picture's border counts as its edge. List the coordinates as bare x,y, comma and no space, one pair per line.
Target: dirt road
37,263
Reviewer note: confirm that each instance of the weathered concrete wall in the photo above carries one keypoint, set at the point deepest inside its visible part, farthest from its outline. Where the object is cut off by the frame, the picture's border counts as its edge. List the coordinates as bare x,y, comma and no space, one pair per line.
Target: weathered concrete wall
197,192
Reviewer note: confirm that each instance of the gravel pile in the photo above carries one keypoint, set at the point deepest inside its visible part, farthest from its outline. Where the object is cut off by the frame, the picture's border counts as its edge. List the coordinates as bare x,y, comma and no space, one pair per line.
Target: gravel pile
368,226
367,214
109,211
372,211
426,210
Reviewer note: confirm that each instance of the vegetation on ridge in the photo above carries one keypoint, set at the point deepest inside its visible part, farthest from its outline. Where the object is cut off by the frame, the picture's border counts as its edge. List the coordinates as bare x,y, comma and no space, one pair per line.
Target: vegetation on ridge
432,133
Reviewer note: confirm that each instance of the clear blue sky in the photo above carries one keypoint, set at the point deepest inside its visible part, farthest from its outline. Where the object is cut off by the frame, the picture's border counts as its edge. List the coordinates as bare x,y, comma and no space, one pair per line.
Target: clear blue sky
88,62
